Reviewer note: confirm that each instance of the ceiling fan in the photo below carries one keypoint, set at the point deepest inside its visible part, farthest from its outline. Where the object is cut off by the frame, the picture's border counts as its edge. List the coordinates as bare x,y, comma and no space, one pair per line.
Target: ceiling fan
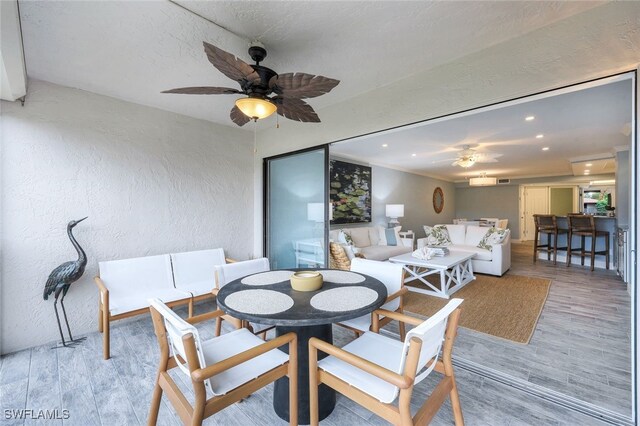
266,90
467,157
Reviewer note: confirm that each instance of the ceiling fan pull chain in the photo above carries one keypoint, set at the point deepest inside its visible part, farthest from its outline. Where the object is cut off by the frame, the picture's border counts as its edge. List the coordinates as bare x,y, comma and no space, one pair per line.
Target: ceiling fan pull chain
255,137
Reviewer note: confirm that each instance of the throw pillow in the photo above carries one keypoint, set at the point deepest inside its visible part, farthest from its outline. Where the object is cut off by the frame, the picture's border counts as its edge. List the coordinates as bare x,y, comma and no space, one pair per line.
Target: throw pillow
344,238
492,237
389,236
437,235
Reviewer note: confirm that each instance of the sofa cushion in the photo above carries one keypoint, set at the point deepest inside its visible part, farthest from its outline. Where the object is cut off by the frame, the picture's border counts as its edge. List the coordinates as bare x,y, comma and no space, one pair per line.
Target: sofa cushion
481,254
344,237
492,237
360,236
389,236
383,252
374,236
437,235
474,235
456,233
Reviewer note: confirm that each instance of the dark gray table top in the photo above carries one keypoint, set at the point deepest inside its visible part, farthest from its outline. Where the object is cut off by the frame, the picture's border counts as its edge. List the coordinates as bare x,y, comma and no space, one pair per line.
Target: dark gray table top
302,313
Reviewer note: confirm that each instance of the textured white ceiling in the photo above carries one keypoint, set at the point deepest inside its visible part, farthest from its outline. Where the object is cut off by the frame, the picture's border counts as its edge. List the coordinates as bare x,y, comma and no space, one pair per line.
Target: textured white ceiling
134,50
586,124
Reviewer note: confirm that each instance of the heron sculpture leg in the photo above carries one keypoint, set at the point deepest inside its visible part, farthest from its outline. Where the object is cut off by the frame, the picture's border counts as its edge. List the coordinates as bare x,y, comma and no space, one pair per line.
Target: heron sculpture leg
55,308
64,312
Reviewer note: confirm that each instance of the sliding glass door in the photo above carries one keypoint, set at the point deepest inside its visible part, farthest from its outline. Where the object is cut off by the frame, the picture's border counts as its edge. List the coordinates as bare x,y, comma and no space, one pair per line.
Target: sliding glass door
296,209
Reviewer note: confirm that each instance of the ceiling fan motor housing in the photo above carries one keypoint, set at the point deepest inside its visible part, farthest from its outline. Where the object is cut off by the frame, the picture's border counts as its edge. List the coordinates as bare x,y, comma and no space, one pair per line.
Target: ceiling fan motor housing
265,75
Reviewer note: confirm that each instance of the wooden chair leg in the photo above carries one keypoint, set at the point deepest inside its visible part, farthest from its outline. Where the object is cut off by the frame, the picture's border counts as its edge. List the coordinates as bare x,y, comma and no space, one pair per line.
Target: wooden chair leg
582,252
569,238
548,246
100,320
606,245
555,248
106,338
313,387
593,250
218,326
455,404
293,382
155,403
403,330
535,245
191,308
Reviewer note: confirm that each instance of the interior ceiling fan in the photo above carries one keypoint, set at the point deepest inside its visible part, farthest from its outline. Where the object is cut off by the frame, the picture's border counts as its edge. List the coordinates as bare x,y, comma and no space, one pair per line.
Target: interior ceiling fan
467,157
266,90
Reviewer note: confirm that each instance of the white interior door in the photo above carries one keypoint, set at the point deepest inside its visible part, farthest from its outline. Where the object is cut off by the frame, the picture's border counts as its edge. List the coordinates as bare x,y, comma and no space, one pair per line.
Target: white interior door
535,201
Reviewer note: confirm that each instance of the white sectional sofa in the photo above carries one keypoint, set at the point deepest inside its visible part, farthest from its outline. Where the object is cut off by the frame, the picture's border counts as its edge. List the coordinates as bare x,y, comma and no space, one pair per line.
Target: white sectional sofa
367,240
466,238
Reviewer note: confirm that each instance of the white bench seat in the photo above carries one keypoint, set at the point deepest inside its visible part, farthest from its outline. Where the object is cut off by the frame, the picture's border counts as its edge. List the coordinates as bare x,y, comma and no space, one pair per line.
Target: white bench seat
120,304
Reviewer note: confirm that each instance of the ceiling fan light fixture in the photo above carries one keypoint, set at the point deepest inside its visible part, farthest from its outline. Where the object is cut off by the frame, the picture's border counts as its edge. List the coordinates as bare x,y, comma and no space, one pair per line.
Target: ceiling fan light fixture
482,180
466,162
256,108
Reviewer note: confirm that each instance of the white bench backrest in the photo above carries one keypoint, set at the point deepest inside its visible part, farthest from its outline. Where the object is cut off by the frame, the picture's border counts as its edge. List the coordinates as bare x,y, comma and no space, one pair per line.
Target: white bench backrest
129,276
196,266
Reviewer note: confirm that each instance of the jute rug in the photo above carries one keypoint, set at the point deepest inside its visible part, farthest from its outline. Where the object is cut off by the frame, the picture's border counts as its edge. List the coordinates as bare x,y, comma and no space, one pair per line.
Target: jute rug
506,307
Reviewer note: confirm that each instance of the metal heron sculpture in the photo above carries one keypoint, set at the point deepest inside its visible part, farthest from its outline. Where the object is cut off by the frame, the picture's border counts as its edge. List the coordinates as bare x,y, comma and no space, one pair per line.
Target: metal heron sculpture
61,278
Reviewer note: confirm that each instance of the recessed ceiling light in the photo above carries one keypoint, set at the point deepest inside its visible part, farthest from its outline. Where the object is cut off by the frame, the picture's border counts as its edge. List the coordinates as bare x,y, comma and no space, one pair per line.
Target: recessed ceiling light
530,117
384,145
540,136
587,171
413,155
546,148
588,165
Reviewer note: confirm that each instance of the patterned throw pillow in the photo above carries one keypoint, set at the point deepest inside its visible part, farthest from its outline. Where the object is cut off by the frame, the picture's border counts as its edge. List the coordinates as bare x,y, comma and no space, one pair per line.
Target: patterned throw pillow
492,237
345,238
437,235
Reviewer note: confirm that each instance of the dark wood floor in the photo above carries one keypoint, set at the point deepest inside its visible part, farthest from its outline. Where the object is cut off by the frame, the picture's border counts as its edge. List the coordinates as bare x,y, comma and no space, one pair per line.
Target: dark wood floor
581,345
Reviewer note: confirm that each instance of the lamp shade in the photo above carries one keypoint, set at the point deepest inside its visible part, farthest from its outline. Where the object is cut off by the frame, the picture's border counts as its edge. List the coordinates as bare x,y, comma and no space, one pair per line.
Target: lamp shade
482,181
394,210
256,108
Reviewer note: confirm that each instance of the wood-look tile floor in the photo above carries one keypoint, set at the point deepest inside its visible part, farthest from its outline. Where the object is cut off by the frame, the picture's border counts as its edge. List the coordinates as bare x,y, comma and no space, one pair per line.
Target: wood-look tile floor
581,345
118,391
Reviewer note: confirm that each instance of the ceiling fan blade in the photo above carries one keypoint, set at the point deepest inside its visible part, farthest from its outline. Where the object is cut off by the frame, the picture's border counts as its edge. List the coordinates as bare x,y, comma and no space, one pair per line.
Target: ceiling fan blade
486,160
300,85
238,116
234,68
203,90
296,109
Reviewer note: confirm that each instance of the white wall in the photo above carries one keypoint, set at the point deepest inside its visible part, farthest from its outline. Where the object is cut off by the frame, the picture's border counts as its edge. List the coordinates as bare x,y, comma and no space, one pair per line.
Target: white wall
150,181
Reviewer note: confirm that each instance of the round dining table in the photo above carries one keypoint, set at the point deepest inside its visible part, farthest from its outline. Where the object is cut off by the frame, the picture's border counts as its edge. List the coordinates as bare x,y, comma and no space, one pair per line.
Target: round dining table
267,298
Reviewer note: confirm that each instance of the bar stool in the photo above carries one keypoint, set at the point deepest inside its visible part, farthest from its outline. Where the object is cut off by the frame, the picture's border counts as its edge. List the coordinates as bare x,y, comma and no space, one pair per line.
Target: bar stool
585,226
547,224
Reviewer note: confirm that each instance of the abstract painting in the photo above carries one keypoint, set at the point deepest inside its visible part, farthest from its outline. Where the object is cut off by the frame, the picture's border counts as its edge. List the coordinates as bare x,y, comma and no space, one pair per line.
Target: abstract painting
350,192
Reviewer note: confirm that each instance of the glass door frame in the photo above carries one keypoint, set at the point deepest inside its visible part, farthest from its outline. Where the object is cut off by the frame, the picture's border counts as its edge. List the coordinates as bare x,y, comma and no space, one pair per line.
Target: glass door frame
266,199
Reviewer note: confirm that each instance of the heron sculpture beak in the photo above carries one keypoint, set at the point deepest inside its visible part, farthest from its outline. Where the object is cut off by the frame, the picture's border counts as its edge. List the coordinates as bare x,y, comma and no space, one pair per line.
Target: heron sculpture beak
80,220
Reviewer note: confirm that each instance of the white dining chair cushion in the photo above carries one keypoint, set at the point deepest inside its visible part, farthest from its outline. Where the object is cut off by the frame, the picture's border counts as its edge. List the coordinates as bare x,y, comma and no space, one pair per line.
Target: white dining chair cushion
121,303
373,347
195,270
363,323
232,271
391,275
233,343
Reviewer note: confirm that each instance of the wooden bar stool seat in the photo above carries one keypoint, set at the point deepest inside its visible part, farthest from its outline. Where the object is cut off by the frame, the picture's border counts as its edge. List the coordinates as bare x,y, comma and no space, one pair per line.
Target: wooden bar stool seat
584,226
547,224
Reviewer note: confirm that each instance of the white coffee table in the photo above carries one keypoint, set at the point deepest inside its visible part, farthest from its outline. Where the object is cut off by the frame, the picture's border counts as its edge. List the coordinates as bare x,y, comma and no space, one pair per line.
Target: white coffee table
455,271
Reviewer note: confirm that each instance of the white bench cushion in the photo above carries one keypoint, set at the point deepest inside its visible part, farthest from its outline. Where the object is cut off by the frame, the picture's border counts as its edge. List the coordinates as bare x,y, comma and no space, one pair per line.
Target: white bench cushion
230,344
139,274
387,354
120,303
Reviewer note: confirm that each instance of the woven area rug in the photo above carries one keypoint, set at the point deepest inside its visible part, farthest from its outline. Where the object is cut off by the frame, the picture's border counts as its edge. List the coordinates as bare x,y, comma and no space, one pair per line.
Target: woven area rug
507,307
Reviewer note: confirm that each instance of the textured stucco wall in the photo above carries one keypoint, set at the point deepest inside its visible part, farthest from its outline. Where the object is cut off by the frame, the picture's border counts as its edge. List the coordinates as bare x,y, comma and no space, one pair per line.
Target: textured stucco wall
150,181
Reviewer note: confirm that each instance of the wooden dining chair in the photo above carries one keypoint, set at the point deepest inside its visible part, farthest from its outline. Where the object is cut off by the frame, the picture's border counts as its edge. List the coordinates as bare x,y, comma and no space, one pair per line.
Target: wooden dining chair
392,276
232,271
375,370
229,368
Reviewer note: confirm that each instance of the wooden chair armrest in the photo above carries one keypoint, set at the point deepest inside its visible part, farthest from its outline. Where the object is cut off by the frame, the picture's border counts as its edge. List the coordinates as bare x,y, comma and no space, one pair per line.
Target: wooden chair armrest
203,317
229,260
398,316
215,291
202,374
103,289
387,375
397,294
